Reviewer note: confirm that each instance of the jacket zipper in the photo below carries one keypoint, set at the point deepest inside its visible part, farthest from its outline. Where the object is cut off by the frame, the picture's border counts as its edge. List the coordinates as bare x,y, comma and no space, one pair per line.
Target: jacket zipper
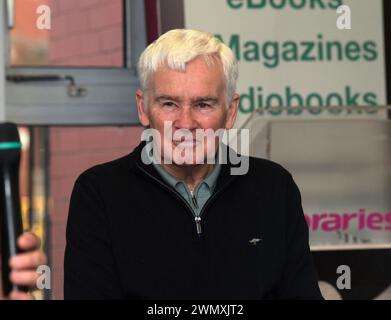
197,218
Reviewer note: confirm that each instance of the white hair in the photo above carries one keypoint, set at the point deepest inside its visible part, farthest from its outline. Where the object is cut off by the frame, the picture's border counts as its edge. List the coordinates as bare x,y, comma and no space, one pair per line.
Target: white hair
176,48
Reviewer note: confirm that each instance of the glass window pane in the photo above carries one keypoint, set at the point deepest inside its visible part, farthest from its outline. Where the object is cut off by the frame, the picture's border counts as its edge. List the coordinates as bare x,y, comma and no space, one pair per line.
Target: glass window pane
86,33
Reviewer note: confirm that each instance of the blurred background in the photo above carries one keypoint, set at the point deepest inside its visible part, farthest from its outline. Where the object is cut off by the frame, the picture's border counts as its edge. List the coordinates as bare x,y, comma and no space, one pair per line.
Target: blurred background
314,98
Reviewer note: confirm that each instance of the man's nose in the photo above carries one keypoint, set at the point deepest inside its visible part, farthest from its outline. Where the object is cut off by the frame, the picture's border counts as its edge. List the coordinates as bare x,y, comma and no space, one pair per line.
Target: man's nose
185,119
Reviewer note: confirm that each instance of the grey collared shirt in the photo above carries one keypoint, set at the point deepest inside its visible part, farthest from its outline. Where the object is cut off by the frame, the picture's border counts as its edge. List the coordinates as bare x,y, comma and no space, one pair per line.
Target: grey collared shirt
202,192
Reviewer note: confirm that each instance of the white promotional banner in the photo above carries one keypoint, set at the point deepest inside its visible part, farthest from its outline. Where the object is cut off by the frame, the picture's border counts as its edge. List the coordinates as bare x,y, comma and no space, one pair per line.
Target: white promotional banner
295,54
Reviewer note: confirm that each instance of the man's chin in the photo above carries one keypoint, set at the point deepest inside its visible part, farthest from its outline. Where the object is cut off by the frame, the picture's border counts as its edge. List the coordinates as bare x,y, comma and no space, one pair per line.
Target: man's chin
188,157
192,162
185,165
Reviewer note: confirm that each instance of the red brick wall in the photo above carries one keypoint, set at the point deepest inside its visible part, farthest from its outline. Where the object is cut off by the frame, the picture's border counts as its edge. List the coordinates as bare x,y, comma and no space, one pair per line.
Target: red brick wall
84,33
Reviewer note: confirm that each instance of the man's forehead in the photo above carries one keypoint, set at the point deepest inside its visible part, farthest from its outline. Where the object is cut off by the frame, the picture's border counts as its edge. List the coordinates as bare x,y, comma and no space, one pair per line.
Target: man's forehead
162,97
177,83
165,92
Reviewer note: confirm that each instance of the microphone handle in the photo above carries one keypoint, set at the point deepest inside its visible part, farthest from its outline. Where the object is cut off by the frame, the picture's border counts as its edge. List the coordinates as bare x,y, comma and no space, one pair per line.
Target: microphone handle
11,224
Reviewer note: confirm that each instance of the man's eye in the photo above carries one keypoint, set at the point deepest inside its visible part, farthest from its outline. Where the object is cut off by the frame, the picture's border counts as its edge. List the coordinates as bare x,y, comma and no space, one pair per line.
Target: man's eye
168,104
203,105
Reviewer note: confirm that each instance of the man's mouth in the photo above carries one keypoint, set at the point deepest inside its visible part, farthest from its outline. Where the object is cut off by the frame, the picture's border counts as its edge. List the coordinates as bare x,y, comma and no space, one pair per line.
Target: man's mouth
186,143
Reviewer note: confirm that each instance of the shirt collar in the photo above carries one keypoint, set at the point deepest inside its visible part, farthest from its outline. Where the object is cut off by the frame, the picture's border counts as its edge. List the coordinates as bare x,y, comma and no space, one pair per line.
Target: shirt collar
210,180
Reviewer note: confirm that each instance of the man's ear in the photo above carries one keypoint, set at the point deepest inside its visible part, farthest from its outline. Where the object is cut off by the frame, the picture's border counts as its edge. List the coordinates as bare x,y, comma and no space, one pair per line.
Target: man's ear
232,112
142,114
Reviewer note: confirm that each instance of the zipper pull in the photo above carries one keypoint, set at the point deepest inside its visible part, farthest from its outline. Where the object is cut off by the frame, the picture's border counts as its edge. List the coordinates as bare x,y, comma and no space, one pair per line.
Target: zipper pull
198,225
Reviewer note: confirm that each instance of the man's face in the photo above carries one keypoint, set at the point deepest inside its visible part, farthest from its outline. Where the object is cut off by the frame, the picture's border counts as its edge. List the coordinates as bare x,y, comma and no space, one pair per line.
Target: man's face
194,99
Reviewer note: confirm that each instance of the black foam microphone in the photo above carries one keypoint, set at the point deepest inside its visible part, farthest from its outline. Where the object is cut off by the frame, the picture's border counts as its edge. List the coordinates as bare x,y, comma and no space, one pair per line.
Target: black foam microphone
10,213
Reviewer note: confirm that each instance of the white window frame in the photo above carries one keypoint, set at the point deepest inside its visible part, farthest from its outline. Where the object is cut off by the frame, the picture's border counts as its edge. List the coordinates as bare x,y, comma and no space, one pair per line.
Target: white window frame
110,98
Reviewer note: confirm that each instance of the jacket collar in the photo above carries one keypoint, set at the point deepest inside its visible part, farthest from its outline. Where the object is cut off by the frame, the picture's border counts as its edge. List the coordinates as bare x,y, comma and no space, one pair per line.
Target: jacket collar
224,177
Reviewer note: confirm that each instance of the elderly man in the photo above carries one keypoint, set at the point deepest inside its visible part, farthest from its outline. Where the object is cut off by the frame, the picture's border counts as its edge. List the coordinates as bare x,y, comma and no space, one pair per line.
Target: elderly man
177,227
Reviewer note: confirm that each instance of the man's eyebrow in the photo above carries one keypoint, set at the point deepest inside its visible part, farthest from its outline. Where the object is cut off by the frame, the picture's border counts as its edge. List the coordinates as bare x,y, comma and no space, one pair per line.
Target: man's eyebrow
205,99
167,97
